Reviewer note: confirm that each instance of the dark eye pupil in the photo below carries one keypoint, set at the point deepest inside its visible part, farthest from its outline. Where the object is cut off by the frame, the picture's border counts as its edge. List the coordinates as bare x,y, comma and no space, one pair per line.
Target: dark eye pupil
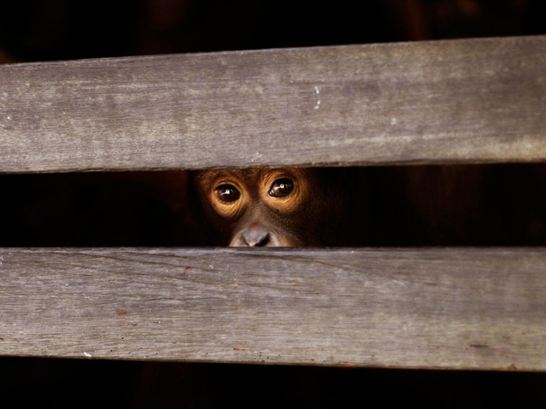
227,193
281,187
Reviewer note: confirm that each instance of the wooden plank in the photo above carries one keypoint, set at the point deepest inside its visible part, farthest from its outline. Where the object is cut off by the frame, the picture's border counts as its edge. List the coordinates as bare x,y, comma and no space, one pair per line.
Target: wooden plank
412,308
481,100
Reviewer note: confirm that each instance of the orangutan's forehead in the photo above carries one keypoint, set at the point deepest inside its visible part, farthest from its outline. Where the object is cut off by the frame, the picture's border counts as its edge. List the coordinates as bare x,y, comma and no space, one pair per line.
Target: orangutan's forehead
247,175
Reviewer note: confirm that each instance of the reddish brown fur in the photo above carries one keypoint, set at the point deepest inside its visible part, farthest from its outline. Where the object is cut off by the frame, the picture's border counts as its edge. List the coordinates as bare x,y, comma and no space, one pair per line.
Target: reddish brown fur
299,219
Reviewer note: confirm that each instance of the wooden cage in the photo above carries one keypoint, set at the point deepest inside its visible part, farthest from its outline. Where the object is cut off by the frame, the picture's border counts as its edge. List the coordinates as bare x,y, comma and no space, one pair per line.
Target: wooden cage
443,102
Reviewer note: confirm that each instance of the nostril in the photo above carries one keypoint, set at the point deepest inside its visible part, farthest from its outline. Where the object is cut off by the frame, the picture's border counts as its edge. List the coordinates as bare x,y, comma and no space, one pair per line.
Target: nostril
256,237
262,241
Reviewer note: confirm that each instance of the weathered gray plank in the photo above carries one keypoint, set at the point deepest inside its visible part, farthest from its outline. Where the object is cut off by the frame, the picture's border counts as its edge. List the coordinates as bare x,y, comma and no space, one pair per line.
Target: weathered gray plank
447,101
425,308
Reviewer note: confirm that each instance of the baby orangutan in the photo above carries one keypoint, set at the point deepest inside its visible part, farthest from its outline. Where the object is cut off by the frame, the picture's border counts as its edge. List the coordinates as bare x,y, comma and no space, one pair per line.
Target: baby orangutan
286,207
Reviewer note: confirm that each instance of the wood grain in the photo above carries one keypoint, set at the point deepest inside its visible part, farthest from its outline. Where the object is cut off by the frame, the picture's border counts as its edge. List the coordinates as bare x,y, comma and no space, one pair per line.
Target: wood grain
480,100
411,308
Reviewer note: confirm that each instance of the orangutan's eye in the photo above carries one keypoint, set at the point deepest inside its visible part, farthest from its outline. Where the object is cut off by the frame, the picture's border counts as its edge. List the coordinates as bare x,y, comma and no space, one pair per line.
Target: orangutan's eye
281,187
227,193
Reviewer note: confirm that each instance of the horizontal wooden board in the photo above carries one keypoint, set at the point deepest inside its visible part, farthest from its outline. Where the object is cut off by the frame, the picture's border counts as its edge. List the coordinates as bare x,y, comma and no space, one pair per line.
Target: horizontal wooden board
479,100
449,308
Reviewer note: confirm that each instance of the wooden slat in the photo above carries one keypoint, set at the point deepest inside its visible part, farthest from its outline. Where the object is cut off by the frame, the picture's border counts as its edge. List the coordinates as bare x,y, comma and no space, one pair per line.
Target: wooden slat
412,308
434,102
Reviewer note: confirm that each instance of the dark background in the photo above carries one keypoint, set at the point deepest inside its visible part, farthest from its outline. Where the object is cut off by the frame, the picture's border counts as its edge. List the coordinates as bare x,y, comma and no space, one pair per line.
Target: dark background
138,208
34,30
